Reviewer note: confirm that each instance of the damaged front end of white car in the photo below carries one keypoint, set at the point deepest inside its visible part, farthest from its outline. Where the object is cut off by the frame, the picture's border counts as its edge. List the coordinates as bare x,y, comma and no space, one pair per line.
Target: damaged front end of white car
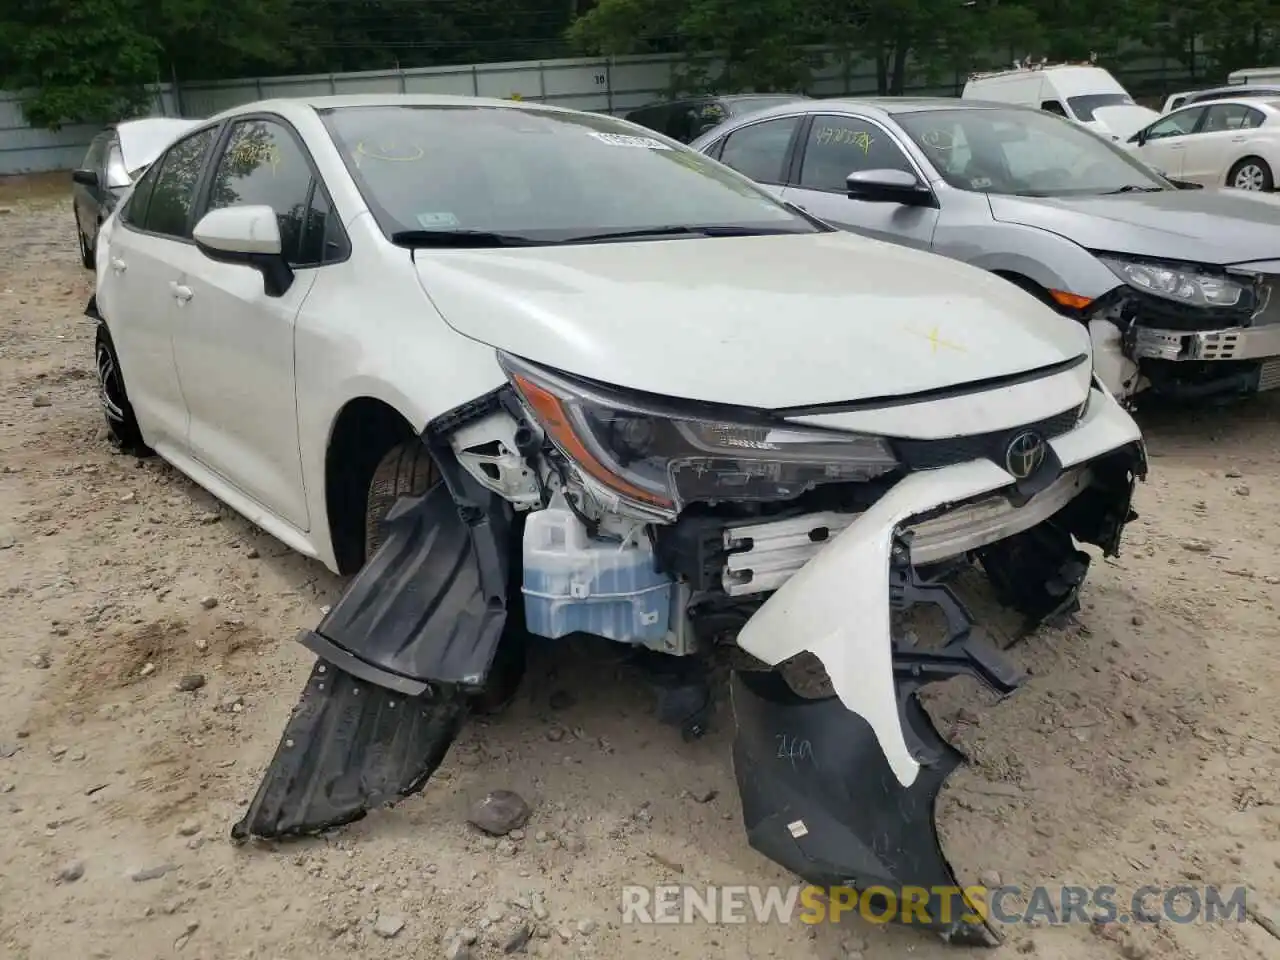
571,506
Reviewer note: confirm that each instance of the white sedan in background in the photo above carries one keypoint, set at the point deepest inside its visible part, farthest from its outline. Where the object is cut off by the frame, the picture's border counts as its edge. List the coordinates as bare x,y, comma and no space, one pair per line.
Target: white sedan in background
1225,143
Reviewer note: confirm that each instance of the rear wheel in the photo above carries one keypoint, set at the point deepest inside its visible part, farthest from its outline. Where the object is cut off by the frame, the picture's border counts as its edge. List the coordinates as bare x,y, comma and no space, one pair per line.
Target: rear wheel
86,252
122,424
1252,173
407,470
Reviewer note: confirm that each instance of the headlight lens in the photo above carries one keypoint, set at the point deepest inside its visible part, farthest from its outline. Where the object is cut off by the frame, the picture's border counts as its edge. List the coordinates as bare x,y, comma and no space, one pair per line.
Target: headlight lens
664,455
1182,283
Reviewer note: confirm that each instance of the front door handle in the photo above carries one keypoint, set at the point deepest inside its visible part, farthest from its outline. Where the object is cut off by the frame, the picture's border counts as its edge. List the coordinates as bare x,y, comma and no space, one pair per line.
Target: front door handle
181,292
1239,139
118,265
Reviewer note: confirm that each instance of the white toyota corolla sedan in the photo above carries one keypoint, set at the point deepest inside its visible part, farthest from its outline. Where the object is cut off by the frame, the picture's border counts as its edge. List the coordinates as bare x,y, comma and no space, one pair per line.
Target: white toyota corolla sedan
529,372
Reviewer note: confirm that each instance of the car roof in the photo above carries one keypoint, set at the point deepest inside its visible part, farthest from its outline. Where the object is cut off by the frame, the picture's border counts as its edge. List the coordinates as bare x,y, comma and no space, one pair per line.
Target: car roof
342,101
885,106
1265,100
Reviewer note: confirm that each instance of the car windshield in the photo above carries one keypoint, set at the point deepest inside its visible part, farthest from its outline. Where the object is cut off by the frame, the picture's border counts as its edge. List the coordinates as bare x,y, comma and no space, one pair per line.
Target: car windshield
1084,106
1026,153
509,173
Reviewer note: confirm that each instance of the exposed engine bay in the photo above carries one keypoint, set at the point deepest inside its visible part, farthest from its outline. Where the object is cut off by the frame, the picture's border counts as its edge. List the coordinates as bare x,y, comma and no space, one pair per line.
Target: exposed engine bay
651,528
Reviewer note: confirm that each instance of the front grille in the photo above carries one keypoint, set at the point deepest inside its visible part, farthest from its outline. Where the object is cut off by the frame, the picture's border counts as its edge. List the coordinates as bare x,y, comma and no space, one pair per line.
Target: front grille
932,454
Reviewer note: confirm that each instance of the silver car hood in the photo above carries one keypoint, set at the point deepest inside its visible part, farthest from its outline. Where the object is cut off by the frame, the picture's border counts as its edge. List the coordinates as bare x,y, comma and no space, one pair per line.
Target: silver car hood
1209,226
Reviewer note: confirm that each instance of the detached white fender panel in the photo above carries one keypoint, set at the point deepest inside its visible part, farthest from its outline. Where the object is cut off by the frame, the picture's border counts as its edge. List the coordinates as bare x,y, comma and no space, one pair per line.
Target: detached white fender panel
837,606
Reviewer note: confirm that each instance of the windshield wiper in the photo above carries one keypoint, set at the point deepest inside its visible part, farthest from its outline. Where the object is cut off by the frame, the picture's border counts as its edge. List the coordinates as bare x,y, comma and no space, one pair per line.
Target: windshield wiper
467,239
1133,188
680,231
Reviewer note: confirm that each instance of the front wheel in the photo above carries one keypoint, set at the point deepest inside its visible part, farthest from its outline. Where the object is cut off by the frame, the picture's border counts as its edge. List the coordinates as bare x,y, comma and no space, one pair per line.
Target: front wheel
1252,173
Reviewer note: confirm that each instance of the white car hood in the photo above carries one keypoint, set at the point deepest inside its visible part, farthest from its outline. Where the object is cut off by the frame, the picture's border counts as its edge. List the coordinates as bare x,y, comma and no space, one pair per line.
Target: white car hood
767,322
1125,120
141,141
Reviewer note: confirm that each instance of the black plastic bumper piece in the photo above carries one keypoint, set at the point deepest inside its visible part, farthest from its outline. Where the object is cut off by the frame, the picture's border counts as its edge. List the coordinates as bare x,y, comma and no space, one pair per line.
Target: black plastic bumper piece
349,747
819,798
428,607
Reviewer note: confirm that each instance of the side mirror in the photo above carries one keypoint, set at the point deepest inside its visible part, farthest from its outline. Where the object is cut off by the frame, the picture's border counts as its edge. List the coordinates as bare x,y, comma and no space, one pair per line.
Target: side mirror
87,178
1140,138
888,186
247,235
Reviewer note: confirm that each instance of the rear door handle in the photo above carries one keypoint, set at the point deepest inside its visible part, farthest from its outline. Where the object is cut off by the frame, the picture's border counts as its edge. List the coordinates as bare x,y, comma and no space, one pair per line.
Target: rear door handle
1239,139
181,292
118,265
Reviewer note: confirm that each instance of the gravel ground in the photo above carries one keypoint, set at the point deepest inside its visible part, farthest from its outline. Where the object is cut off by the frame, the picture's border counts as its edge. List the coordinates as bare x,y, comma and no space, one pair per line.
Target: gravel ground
1145,749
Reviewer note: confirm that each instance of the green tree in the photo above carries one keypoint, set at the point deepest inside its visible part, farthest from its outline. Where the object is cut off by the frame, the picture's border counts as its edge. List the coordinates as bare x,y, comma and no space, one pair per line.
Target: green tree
762,41
76,60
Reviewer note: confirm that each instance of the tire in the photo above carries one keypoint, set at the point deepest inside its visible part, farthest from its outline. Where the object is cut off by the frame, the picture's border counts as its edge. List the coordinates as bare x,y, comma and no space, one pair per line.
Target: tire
87,258
1252,174
122,424
407,470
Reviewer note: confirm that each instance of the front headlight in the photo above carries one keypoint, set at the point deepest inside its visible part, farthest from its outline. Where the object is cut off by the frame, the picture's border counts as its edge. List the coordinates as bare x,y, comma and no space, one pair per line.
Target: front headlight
664,454
1183,283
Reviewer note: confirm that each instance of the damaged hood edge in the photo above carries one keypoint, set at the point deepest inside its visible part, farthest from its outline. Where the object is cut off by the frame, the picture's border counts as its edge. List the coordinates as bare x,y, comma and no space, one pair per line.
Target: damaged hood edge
765,322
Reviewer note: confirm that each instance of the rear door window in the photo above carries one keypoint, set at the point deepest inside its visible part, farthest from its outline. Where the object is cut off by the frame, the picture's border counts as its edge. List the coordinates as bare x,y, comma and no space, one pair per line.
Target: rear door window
760,150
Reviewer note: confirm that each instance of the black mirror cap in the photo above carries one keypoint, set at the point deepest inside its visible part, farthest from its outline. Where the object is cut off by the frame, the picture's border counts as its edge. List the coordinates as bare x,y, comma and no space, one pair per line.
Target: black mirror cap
87,178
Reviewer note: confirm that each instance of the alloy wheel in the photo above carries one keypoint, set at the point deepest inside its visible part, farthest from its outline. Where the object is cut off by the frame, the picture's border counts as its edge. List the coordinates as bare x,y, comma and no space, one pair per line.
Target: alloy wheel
1250,177
110,385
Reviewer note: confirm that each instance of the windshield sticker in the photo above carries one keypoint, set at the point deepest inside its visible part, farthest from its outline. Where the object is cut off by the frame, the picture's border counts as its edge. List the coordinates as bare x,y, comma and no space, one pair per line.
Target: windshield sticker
623,140
981,183
841,135
391,152
430,221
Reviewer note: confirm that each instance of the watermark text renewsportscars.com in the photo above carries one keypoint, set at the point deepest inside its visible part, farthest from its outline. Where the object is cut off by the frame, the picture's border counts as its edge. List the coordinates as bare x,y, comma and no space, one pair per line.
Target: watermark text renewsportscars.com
687,903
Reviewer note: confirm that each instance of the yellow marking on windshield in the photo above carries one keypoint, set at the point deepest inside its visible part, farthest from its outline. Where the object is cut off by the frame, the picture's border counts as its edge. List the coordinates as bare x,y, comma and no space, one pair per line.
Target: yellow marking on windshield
838,135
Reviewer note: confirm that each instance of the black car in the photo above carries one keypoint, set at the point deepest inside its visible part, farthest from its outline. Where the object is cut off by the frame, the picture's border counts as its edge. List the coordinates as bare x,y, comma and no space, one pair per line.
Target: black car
689,118
117,156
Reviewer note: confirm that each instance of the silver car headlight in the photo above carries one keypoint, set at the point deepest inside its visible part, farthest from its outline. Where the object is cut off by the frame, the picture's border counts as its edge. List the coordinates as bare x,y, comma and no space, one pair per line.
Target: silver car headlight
1183,283
664,454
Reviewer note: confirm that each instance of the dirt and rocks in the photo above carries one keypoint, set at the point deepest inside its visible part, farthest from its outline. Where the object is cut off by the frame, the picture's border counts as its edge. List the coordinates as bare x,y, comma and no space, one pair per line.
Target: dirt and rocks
147,666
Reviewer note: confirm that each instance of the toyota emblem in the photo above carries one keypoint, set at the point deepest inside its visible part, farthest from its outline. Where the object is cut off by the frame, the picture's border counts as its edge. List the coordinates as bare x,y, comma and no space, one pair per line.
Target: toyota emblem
1025,454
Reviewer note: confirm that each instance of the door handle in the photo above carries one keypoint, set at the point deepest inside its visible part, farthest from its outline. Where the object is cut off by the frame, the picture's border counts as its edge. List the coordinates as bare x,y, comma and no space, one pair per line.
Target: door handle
181,292
118,265
1239,139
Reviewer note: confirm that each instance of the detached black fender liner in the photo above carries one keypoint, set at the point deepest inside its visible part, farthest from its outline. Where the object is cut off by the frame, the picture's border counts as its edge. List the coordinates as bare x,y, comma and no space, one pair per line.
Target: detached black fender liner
349,747
414,634
429,606
819,798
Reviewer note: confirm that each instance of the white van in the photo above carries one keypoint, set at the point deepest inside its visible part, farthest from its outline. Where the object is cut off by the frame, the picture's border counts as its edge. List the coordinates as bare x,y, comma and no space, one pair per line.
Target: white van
1255,75
1084,93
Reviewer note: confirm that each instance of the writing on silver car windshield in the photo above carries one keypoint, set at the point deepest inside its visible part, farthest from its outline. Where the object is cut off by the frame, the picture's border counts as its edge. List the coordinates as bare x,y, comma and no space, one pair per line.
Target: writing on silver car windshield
1024,153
